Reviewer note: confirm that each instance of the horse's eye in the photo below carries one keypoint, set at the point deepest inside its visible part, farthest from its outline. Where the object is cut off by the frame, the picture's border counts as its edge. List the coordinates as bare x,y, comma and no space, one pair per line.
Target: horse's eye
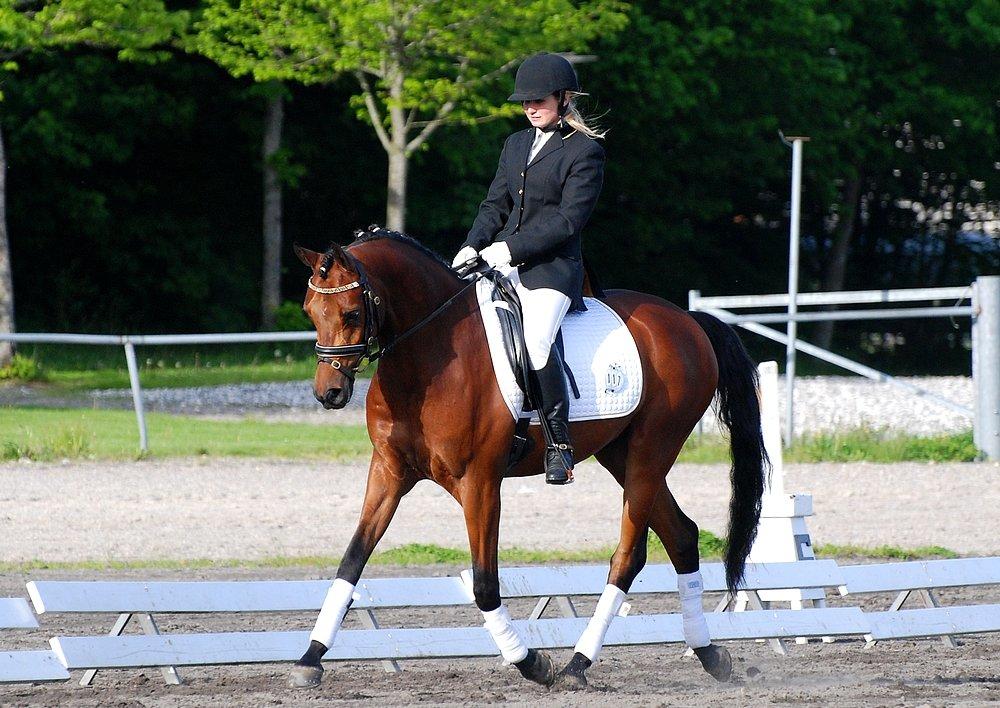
353,317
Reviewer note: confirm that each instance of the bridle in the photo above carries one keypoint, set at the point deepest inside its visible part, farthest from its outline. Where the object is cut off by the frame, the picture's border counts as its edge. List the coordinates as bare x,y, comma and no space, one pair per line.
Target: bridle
368,348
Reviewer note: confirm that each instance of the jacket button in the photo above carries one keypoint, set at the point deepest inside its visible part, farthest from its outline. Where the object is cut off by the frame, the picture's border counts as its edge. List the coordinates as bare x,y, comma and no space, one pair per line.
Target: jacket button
520,191
522,174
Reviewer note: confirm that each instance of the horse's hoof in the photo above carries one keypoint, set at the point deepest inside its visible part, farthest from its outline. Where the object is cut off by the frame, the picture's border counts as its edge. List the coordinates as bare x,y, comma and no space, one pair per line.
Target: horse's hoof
537,666
305,676
566,681
573,677
716,661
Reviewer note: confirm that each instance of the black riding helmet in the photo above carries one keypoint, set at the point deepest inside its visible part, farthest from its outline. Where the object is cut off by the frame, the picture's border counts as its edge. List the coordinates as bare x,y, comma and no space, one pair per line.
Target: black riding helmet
542,75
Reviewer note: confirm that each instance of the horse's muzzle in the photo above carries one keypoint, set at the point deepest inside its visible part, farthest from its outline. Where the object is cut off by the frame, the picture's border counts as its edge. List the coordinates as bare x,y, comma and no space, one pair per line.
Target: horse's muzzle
335,398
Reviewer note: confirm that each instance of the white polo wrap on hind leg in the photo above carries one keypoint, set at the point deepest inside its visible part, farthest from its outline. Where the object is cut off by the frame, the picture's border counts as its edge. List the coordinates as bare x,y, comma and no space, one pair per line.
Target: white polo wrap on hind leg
512,647
338,599
690,589
592,639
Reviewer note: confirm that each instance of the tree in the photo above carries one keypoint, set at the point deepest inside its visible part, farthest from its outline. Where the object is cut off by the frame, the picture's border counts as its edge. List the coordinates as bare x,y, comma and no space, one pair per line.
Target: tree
418,64
274,42
135,30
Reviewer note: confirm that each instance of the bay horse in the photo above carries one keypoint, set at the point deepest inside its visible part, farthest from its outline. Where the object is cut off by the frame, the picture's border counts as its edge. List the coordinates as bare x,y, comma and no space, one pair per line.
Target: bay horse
434,411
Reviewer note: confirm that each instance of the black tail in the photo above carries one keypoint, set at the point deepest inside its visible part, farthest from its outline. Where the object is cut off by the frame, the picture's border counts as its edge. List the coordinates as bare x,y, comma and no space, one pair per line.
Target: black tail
739,410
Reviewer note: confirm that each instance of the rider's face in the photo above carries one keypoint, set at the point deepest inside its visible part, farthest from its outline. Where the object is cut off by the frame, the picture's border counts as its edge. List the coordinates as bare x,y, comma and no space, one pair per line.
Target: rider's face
542,112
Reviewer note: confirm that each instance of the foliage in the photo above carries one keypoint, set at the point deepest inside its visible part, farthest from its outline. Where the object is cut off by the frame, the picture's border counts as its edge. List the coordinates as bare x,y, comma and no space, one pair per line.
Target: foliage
134,188
21,368
289,317
418,65
138,30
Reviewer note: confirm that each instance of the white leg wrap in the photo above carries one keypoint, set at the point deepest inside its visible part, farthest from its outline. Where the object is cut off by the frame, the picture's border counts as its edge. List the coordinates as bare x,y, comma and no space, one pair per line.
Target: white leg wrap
512,647
690,589
338,599
592,639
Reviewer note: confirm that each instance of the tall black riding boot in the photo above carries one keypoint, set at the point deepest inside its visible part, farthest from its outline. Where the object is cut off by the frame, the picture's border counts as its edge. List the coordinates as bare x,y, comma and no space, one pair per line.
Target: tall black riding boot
555,407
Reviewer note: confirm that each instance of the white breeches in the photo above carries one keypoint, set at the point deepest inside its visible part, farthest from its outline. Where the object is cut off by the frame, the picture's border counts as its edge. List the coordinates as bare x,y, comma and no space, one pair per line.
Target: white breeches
544,309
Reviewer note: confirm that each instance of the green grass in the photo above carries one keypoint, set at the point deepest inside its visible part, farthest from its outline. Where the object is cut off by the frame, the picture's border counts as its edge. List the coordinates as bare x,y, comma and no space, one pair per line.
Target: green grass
849,446
47,434
416,554
181,377
884,552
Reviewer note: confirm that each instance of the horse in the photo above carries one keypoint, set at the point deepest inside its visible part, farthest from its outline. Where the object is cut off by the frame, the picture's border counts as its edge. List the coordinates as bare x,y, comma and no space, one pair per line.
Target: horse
434,412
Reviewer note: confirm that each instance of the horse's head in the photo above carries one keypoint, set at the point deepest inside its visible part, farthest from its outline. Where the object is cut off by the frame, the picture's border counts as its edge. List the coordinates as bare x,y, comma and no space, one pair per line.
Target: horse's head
342,307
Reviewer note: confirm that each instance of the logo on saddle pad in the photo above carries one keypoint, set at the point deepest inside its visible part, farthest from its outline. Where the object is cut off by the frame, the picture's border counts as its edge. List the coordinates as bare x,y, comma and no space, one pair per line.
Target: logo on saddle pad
614,378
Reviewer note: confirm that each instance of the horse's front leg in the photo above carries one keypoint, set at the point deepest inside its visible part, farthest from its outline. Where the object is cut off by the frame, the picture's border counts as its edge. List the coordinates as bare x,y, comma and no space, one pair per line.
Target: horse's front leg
386,486
481,505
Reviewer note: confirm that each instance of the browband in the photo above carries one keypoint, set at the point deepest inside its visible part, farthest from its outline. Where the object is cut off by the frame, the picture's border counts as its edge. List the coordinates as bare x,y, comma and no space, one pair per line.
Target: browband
332,291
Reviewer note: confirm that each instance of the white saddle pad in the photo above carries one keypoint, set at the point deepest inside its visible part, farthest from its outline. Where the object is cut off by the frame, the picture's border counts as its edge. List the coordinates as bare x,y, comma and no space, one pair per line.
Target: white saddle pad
600,352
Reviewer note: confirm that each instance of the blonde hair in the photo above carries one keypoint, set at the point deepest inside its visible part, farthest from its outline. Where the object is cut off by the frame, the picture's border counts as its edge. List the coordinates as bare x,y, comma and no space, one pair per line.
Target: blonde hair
581,123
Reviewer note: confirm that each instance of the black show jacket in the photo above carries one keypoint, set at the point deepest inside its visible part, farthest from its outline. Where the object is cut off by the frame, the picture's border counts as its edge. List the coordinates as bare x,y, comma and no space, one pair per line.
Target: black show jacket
539,209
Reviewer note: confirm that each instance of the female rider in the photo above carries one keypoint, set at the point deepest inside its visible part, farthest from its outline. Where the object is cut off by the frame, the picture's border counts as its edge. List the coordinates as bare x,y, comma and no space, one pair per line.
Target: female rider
529,225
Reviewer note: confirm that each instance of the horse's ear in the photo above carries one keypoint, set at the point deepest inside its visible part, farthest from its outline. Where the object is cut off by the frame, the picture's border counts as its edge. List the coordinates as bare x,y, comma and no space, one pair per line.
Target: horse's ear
339,257
309,258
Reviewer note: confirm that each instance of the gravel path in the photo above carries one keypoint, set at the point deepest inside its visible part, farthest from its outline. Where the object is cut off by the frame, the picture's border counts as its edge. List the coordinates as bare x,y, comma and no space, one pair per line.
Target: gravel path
242,509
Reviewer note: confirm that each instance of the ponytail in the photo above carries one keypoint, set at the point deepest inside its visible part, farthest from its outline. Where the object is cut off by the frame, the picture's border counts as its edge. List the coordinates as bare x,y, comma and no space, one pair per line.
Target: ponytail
578,121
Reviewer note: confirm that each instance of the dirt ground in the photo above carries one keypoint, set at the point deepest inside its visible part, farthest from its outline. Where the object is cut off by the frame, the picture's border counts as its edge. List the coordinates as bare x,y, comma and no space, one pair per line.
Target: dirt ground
256,509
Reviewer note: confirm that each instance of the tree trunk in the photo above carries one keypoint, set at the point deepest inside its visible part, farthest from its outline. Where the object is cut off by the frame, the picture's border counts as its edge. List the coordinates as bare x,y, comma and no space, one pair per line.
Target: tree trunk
395,206
6,277
837,266
271,281
395,209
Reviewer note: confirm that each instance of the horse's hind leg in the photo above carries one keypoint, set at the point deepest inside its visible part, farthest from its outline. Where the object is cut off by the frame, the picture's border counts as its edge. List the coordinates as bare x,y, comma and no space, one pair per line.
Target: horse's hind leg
679,536
384,490
641,484
648,504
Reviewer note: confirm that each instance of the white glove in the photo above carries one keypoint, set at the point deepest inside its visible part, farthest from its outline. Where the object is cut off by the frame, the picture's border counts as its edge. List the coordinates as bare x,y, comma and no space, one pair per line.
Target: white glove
496,254
464,256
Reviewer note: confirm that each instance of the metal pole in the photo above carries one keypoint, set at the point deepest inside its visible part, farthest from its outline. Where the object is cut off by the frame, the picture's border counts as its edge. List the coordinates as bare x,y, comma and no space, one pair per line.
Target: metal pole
793,285
133,377
986,365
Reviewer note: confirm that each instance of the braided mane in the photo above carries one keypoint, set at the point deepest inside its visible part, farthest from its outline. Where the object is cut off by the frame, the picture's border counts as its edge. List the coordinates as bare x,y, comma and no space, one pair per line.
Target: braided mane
377,233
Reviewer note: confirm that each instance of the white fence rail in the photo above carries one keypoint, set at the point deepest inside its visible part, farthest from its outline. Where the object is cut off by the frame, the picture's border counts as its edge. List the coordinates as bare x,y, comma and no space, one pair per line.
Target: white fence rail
983,308
389,645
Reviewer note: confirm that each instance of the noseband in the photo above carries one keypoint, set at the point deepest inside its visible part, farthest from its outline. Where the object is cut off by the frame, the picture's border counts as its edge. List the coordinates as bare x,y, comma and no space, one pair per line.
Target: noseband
369,348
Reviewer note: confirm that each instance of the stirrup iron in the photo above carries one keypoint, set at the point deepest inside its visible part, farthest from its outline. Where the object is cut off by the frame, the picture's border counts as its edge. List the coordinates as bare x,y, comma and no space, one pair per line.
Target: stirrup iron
558,464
